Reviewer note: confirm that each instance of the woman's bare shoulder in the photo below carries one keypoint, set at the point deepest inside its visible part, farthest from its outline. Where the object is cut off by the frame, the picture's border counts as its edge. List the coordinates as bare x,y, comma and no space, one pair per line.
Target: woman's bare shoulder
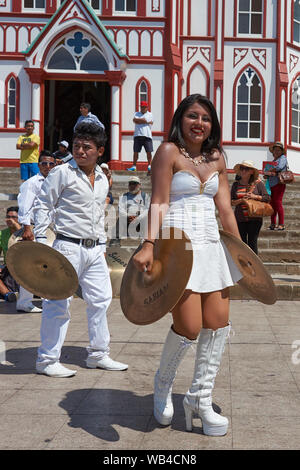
166,153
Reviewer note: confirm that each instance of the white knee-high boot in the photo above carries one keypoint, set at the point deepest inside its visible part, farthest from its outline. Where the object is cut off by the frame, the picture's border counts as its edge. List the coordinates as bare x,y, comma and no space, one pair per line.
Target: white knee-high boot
198,399
173,352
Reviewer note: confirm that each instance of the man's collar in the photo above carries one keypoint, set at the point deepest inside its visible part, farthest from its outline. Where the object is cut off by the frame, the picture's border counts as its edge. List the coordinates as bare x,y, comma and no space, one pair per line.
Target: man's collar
73,164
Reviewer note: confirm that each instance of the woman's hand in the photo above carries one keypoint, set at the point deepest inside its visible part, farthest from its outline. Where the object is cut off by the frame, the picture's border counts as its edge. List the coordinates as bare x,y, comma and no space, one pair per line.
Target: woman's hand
255,197
143,260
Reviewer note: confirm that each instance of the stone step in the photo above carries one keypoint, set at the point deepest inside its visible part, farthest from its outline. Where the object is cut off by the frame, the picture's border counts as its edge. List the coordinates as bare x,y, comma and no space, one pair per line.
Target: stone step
283,268
270,255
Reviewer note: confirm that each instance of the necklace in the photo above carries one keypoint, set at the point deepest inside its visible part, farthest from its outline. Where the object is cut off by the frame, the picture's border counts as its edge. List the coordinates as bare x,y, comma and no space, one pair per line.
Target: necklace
185,153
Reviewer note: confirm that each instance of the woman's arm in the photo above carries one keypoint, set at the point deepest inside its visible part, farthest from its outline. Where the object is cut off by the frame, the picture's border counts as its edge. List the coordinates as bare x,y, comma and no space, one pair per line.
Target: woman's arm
161,176
223,201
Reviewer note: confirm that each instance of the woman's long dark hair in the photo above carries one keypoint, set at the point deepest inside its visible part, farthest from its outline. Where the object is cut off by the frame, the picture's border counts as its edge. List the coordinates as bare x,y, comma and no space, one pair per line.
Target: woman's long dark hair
175,133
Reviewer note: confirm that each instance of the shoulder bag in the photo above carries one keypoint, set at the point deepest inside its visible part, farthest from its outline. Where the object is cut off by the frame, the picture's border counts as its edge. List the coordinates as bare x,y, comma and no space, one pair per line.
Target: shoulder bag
258,208
286,176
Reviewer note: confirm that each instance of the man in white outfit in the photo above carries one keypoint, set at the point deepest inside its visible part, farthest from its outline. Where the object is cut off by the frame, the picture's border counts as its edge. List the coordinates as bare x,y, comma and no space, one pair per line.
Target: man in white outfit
29,191
77,190
142,136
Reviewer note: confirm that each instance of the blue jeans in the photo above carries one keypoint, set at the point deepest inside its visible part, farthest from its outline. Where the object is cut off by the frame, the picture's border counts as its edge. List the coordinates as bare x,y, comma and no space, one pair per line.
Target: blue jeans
28,170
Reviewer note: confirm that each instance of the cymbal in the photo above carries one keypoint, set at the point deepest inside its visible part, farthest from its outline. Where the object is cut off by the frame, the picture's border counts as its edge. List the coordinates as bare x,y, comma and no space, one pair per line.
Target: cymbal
256,279
17,237
147,296
117,258
42,270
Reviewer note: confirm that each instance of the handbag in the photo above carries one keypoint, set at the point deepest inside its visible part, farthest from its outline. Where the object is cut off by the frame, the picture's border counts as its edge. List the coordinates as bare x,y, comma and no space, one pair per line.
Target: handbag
286,176
258,208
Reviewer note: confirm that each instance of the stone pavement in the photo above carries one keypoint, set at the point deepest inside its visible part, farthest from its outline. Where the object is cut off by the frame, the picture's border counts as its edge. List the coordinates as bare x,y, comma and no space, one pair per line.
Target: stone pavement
257,387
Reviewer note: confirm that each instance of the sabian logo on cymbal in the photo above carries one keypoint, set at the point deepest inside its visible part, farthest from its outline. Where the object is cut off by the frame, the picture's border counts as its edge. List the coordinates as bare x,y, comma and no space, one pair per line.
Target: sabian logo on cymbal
116,258
156,295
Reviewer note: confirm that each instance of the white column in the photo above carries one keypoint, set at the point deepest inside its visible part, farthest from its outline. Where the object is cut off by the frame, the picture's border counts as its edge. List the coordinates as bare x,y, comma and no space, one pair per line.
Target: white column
115,122
35,111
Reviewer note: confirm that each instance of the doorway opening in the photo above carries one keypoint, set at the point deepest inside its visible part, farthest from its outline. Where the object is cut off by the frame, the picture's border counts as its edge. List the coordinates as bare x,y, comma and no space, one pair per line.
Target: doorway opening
62,102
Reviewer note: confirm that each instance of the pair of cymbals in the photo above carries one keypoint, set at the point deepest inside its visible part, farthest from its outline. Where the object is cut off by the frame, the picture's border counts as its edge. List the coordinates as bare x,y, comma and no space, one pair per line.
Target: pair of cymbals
147,297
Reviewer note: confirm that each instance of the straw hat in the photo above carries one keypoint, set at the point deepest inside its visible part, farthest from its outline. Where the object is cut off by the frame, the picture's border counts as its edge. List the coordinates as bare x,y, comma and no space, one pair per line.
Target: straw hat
276,144
248,164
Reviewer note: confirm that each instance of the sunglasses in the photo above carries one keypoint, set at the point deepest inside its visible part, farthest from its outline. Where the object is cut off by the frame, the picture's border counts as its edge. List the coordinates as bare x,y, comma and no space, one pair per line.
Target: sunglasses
47,164
12,217
246,168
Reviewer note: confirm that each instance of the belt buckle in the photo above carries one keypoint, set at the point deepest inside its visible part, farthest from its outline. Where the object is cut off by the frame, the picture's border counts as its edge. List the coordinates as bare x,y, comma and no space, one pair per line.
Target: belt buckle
89,243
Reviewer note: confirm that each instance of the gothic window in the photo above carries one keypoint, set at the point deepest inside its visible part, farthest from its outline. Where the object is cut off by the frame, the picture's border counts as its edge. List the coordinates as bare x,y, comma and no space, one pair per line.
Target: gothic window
34,4
62,60
248,106
143,95
296,111
125,5
11,118
296,21
250,15
93,60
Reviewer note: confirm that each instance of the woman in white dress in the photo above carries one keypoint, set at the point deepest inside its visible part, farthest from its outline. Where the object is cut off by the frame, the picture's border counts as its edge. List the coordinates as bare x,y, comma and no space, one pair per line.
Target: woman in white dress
189,181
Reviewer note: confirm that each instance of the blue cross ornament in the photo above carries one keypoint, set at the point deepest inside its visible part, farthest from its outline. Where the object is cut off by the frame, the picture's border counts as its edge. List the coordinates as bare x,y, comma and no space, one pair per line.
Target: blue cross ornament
78,42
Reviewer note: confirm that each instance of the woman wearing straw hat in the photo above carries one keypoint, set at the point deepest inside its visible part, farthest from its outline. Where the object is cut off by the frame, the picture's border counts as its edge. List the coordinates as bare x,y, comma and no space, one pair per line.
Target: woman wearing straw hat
277,189
248,186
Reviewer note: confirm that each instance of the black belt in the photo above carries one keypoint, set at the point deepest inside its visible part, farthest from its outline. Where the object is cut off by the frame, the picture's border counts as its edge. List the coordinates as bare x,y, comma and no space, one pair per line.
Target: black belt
87,242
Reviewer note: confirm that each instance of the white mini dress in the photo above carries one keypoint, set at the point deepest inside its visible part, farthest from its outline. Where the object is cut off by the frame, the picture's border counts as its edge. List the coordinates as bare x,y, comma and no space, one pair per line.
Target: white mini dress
192,209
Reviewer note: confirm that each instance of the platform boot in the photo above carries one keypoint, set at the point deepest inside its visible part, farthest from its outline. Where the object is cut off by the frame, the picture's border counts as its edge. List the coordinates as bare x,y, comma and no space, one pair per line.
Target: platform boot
198,399
174,350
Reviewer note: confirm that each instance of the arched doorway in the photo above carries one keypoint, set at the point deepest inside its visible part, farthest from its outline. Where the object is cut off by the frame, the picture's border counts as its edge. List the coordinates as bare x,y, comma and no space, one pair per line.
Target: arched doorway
62,102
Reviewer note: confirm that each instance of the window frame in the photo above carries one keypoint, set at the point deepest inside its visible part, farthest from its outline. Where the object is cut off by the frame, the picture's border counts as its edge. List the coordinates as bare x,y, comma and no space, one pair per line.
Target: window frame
125,12
236,103
138,93
250,13
293,23
33,9
292,142
17,101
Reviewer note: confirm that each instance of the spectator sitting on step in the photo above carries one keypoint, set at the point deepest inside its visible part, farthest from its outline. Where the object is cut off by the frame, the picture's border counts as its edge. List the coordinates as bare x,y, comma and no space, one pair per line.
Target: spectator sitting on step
62,155
133,210
8,286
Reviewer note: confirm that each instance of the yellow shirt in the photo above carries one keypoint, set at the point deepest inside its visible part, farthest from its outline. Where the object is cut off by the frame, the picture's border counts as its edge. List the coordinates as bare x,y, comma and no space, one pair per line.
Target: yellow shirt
29,155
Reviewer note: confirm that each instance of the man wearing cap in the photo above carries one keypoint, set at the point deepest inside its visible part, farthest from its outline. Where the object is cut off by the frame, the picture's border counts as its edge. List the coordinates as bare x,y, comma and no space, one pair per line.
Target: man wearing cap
142,136
62,155
133,209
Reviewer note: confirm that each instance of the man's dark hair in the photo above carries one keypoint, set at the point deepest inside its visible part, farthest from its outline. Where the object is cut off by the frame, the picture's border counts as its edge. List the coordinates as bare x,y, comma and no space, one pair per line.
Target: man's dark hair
90,131
86,105
27,122
45,153
12,209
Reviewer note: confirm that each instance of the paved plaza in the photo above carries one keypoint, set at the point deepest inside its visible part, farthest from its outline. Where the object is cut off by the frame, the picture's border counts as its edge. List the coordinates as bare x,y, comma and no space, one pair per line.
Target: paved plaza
257,387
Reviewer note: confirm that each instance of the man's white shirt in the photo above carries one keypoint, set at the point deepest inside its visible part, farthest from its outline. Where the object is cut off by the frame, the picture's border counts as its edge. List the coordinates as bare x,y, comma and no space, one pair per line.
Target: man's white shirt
79,208
29,190
143,130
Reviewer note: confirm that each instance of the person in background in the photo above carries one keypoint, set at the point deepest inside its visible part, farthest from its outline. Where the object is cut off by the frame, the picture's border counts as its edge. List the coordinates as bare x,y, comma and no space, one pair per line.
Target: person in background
248,186
277,189
8,286
62,155
133,209
87,116
109,198
142,136
28,143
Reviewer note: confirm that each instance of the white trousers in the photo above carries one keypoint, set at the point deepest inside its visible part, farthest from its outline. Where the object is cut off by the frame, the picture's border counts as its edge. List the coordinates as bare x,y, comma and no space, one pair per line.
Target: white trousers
94,279
24,299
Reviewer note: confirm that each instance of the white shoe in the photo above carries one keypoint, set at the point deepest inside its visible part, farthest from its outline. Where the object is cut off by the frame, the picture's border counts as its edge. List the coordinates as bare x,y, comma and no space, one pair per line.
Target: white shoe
28,308
105,363
55,369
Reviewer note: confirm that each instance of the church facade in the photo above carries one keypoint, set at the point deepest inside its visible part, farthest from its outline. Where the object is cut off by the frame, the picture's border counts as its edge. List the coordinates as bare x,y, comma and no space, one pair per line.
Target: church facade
242,54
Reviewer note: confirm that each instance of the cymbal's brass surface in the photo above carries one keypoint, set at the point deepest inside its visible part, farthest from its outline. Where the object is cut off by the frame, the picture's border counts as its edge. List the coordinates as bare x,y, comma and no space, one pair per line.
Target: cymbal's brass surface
256,279
147,296
42,270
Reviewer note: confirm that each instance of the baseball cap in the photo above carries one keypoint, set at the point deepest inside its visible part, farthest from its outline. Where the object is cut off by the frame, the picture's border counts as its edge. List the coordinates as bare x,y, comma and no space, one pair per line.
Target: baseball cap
64,143
144,103
104,165
134,179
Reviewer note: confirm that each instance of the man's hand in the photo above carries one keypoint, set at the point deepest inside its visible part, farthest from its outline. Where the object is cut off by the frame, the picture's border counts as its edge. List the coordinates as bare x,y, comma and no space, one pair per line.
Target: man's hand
28,235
